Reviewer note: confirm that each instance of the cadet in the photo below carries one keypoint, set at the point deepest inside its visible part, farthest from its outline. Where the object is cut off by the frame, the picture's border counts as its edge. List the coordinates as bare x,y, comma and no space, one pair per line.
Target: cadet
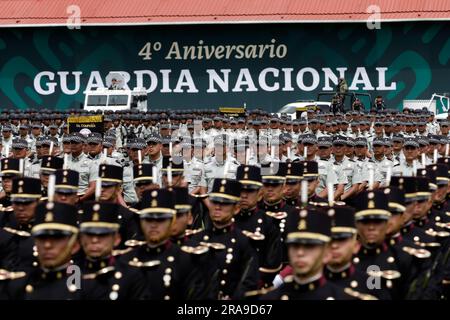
386,266
234,266
143,179
168,270
25,195
9,169
292,186
344,244
55,236
257,225
48,166
111,180
308,251
66,186
273,179
109,278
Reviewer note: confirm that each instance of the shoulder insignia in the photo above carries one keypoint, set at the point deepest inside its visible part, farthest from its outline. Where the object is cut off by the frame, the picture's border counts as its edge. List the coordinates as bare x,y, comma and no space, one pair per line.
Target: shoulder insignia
418,253
386,274
20,233
260,292
148,264
11,275
6,209
254,235
277,215
98,273
440,234
133,210
121,252
359,295
190,232
134,243
214,245
195,250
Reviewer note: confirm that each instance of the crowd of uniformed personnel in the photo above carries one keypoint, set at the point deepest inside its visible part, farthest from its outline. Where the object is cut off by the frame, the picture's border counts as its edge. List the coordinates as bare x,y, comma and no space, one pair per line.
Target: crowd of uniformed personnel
195,204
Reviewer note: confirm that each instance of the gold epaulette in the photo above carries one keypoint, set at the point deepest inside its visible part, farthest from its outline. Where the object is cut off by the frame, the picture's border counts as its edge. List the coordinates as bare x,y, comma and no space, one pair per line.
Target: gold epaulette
260,292
359,295
418,253
134,210
427,244
17,232
445,225
254,235
148,264
100,272
277,215
134,243
386,274
195,250
6,209
440,234
267,270
121,252
190,232
201,196
42,199
11,275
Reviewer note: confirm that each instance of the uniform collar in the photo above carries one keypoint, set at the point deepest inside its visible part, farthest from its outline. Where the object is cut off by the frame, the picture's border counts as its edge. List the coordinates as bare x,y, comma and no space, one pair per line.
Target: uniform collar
309,285
371,251
93,265
343,273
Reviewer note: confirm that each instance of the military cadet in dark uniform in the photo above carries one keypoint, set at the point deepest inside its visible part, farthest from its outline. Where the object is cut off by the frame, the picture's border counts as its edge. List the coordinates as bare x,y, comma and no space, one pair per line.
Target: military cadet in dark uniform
49,165
107,278
292,186
111,178
307,242
260,228
55,235
143,179
10,168
235,263
66,186
16,232
386,266
340,269
311,175
273,179
169,271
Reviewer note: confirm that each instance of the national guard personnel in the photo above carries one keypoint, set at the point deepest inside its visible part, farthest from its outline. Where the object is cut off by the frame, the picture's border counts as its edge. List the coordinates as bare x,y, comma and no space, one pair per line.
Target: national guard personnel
108,278
260,228
20,151
168,270
80,162
55,235
215,168
194,166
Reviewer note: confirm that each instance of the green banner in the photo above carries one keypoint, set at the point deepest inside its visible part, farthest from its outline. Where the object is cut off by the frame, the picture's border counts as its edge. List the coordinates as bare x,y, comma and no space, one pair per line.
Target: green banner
210,66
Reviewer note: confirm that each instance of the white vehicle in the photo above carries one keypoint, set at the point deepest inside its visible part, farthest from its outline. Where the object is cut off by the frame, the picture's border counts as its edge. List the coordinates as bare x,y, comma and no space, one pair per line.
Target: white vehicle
115,100
116,96
295,109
